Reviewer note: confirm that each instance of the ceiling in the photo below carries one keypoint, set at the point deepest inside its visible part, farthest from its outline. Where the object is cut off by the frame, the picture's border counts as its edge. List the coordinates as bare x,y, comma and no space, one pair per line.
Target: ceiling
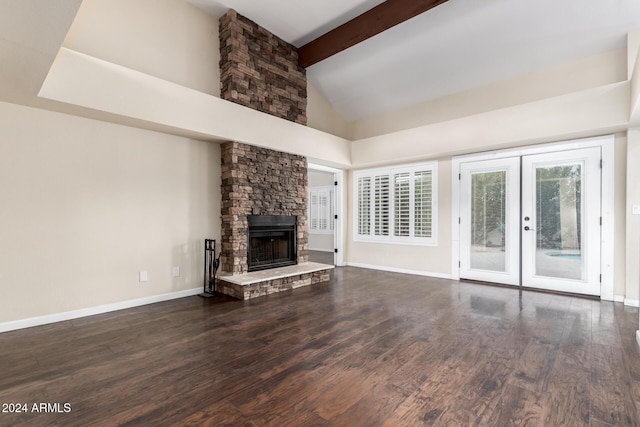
459,45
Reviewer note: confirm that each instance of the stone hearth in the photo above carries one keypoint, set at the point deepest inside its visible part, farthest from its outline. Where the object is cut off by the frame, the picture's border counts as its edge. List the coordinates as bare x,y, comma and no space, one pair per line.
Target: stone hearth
266,282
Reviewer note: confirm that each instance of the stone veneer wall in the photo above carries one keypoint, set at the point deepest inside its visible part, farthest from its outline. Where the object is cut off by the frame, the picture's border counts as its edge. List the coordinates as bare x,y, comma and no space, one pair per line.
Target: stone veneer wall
258,181
260,71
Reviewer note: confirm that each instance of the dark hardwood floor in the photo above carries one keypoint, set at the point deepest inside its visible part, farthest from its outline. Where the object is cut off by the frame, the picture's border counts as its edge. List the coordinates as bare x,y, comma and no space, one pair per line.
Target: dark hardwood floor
369,348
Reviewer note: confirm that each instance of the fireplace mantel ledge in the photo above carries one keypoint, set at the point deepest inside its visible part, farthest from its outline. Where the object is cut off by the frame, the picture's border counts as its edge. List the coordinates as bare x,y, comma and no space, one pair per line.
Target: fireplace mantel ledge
274,273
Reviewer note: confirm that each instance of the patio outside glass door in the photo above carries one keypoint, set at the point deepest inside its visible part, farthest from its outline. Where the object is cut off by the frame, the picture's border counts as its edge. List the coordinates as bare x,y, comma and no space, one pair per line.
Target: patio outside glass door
533,221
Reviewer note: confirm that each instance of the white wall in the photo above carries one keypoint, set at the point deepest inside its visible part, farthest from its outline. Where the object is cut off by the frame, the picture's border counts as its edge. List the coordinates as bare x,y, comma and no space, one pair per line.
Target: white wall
633,73
596,111
31,32
169,39
633,221
599,70
321,116
620,209
87,205
321,242
319,178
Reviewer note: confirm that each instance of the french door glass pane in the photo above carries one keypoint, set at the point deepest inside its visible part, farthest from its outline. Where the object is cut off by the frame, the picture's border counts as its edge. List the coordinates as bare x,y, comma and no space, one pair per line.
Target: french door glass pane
558,221
488,214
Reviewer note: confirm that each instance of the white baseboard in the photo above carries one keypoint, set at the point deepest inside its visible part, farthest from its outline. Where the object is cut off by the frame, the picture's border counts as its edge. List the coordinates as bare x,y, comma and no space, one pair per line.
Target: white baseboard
321,250
626,301
399,270
638,336
84,312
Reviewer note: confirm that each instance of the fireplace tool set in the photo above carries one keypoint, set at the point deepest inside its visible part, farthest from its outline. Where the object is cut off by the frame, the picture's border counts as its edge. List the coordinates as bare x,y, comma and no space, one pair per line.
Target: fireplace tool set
211,264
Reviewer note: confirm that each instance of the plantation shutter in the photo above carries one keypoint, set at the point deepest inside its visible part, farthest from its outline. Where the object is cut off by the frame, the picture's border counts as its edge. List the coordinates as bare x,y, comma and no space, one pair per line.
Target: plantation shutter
313,210
364,205
396,204
402,204
381,205
423,204
321,210
323,220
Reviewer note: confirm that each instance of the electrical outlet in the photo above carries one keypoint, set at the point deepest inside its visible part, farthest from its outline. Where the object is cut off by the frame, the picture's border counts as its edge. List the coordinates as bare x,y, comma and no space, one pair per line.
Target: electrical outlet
636,210
143,276
175,271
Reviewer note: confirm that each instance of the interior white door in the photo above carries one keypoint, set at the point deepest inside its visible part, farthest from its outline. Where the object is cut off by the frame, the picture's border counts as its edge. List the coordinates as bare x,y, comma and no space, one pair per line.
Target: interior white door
561,221
490,221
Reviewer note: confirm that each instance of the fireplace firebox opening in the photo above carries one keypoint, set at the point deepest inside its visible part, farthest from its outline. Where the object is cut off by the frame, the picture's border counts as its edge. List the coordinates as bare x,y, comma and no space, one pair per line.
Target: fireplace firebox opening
271,241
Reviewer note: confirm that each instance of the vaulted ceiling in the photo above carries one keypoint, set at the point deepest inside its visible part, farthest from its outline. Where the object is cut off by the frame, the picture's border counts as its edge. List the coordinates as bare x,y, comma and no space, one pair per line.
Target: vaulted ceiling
459,45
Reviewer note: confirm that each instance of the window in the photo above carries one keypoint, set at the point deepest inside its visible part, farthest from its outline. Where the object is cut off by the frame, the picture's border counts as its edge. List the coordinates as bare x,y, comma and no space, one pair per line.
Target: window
321,210
396,205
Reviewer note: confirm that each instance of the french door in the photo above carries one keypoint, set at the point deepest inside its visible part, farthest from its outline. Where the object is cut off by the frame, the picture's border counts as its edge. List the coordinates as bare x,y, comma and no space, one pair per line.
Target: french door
533,220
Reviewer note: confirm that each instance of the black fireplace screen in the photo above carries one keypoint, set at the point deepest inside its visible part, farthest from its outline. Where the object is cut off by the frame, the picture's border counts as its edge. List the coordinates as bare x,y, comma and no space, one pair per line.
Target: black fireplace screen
272,241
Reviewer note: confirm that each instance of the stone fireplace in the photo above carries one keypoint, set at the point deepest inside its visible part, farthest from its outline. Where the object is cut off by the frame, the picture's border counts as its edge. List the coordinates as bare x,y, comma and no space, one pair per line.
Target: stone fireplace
259,70
264,192
260,182
264,202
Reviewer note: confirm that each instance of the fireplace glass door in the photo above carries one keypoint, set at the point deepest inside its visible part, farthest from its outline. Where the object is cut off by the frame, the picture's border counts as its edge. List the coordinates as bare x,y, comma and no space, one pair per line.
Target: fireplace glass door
271,242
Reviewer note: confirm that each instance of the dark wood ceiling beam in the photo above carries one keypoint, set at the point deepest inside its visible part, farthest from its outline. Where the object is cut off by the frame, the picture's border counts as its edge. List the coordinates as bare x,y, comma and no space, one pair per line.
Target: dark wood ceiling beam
372,22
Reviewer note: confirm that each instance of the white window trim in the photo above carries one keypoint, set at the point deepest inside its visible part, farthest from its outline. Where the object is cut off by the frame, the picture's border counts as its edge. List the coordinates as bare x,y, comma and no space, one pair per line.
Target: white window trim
329,190
390,171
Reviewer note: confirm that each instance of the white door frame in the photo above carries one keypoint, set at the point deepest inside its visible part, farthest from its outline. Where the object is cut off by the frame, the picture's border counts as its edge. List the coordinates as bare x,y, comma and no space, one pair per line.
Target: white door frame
338,257
606,143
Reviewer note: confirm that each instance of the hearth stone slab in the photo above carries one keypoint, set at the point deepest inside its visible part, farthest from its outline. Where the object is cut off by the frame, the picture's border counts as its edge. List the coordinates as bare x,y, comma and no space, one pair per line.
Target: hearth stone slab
265,282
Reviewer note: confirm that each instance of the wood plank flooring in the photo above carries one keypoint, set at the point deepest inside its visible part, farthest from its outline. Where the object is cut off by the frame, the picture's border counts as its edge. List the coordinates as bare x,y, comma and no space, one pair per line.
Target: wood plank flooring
369,348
